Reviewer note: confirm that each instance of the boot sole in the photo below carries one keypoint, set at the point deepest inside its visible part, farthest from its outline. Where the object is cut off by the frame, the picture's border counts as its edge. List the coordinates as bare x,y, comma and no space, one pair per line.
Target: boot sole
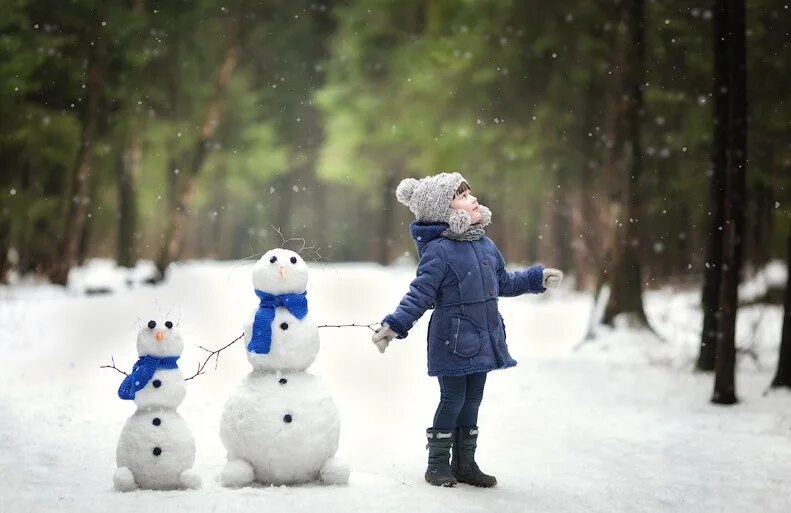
445,484
475,483
479,485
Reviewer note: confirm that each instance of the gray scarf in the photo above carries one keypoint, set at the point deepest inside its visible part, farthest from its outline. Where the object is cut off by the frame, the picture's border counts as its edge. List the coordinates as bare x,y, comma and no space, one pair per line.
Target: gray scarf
459,227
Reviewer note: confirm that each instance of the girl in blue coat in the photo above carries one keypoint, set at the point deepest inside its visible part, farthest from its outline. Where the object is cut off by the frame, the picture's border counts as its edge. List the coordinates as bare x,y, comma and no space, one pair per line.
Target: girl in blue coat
460,275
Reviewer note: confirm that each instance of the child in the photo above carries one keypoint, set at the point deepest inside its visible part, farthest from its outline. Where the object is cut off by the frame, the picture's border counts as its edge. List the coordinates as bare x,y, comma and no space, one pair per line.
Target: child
461,273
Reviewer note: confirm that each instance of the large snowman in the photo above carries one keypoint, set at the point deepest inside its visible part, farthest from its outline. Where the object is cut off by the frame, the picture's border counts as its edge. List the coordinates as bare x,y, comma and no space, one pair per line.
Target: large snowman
281,426
156,449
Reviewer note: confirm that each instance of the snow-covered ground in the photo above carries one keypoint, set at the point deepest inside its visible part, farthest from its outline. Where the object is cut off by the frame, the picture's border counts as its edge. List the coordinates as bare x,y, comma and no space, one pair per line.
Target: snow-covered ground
617,425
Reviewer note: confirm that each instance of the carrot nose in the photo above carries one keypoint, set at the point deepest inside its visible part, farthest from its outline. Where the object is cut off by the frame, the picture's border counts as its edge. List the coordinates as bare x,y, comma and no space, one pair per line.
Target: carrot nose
283,272
159,336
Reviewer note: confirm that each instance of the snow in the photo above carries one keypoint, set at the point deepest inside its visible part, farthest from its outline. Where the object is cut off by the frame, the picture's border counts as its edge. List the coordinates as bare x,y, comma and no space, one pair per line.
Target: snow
104,276
621,424
772,276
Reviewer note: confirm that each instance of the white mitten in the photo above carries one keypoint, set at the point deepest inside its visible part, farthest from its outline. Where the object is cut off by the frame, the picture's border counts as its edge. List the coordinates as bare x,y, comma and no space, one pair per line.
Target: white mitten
383,336
552,278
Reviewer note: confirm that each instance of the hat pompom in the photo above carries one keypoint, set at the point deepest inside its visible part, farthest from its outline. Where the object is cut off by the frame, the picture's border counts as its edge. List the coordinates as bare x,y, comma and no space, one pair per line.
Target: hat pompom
405,190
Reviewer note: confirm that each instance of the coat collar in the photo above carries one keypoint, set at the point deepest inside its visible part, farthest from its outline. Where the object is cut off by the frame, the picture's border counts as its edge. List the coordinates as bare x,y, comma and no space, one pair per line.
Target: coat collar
423,233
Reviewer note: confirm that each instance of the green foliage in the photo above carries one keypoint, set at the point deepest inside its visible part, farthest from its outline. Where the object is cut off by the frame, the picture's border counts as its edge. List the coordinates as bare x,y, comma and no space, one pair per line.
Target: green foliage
359,94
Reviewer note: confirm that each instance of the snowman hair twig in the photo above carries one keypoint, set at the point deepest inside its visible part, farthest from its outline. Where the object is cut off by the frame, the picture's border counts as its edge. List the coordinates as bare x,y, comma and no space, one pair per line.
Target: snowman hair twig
311,248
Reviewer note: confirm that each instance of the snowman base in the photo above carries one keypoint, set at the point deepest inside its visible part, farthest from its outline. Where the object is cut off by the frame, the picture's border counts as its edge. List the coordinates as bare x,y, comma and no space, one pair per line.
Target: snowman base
190,480
123,480
290,438
335,472
237,473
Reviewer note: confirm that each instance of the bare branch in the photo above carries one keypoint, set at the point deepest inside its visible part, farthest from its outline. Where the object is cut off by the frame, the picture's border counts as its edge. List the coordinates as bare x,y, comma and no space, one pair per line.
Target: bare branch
212,353
112,366
369,326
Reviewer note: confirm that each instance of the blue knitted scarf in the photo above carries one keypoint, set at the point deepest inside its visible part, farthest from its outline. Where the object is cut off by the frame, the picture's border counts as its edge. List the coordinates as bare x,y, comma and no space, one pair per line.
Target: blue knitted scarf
297,304
142,372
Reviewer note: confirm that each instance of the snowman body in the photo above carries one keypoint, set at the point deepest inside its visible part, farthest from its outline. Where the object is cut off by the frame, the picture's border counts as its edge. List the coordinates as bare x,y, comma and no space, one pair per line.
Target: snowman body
284,424
281,426
156,448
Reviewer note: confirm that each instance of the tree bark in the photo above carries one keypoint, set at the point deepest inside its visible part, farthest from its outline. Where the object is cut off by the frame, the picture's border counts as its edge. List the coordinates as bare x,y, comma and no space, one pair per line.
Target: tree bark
562,223
5,247
712,311
186,185
783,376
387,221
80,183
127,168
729,27
584,227
624,159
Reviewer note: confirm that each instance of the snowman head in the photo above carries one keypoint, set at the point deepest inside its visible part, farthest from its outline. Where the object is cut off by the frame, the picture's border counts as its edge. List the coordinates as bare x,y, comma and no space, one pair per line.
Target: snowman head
280,271
159,339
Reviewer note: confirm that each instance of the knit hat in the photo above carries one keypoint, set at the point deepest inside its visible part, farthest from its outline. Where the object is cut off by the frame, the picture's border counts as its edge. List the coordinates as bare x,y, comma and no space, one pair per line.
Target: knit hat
429,199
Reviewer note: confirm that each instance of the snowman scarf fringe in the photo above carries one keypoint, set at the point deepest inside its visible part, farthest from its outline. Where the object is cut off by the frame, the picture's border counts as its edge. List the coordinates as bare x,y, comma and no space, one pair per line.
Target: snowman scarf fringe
261,340
142,372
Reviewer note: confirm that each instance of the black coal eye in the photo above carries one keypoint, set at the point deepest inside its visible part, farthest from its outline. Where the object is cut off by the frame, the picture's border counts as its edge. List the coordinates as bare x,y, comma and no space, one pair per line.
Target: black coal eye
273,260
168,324
152,325
293,260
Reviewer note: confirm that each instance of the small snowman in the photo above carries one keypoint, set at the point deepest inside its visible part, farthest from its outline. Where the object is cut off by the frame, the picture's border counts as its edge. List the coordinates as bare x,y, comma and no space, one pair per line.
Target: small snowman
156,449
281,426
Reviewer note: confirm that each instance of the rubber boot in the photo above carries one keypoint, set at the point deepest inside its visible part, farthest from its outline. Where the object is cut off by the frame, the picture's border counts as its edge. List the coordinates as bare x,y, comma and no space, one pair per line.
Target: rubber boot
463,466
438,472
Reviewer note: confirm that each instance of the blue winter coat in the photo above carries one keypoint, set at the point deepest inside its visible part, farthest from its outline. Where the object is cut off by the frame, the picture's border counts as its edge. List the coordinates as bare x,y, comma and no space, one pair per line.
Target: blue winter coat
461,280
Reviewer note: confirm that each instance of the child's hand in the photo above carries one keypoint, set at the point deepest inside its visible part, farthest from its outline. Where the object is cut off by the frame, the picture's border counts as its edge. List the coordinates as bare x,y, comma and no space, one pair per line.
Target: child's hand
552,278
383,336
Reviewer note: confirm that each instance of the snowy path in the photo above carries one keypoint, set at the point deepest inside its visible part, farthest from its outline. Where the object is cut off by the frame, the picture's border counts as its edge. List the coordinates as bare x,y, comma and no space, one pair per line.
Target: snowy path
565,431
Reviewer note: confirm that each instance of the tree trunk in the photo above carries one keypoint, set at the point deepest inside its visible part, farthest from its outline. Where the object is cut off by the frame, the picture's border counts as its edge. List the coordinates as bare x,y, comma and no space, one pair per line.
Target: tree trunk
175,231
729,27
712,311
80,187
625,161
547,229
220,244
783,375
127,168
386,234
561,236
5,247
584,227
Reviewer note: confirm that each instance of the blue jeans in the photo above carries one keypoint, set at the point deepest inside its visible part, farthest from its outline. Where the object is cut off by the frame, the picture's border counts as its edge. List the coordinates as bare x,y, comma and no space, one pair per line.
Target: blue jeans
460,398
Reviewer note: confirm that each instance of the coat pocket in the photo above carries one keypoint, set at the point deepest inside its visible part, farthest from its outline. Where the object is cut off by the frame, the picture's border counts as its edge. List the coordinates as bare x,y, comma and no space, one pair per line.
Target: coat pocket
466,337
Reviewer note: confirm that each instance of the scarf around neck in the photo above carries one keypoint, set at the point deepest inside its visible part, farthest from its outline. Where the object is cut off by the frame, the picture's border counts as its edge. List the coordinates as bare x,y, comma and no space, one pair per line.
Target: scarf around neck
142,372
261,340
459,227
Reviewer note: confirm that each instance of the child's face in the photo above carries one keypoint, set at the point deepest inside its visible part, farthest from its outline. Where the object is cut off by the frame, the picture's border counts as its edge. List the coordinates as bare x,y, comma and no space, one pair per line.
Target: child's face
469,203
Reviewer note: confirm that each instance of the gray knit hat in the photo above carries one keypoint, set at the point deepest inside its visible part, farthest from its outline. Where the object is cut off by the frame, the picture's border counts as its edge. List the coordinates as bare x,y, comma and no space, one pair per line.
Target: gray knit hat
429,199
